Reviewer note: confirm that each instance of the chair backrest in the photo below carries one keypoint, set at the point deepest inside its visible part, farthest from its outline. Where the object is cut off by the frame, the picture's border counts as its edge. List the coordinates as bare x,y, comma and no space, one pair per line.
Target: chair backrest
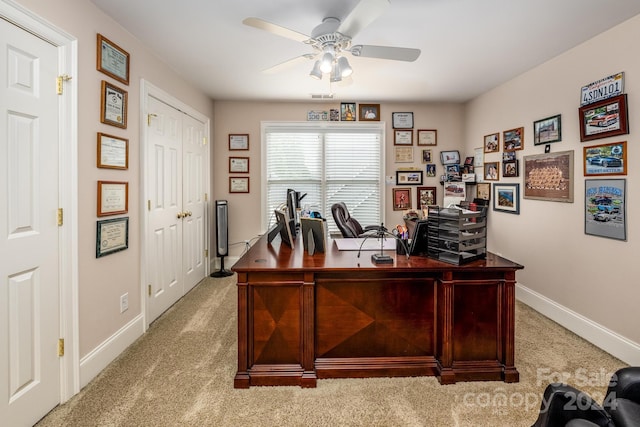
349,226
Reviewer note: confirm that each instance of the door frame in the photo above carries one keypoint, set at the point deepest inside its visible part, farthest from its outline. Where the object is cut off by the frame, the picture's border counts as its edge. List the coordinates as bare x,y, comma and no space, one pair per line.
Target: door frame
67,46
148,89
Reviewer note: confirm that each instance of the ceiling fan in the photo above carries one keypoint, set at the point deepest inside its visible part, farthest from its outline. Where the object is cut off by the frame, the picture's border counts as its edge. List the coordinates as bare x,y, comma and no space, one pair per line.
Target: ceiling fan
332,38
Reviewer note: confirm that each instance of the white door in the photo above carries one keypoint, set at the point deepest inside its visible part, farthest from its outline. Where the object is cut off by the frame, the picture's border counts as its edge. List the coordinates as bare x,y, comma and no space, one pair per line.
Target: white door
176,175
29,234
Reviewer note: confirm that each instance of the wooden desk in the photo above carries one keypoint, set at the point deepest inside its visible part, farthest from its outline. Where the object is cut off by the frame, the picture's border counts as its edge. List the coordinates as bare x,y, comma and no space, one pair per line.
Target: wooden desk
335,315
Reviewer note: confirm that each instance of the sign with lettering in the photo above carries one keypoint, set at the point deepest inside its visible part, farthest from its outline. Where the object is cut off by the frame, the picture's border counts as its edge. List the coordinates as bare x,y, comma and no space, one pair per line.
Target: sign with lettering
602,89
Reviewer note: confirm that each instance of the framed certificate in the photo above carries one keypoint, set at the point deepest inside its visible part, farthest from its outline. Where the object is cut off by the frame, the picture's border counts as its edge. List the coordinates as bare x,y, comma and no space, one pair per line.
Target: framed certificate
112,152
238,184
113,105
403,137
112,235
402,120
238,141
427,137
113,198
238,165
112,60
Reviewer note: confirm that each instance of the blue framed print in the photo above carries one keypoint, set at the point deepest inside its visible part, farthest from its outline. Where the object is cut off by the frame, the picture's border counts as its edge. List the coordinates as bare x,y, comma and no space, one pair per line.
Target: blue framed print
506,198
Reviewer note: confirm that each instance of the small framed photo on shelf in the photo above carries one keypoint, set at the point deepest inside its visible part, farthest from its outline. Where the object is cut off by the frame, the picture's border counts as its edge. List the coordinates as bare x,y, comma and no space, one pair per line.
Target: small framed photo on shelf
112,235
408,177
369,112
427,137
113,105
605,159
547,130
238,184
112,152
238,141
492,143
238,165
348,111
506,198
492,171
402,120
401,199
403,137
112,60
604,118
513,139
451,157
113,198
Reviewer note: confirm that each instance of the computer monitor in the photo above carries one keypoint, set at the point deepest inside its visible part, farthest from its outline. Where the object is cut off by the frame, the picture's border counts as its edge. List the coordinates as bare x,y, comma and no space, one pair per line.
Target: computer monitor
420,239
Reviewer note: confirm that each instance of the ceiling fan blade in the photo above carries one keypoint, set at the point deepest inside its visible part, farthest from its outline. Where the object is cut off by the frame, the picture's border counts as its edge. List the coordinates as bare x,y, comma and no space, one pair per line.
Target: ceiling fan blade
275,29
362,15
289,63
386,52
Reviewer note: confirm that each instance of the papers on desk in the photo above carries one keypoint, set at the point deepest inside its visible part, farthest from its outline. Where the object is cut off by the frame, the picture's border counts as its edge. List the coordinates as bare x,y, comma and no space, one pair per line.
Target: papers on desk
370,244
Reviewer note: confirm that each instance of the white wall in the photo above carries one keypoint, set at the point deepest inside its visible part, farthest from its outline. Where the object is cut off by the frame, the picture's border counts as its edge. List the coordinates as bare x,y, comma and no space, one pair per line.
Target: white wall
587,283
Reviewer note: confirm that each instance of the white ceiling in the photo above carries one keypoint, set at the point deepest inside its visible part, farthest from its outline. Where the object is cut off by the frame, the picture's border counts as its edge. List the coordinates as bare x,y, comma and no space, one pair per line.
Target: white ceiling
468,46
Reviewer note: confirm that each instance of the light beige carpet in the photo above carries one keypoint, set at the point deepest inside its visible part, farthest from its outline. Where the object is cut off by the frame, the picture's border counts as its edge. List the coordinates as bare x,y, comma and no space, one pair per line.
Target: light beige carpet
180,373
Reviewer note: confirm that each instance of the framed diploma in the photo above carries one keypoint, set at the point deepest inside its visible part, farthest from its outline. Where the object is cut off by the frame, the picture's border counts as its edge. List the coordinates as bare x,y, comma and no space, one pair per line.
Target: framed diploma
427,137
238,165
112,235
402,120
238,184
404,154
113,198
403,137
113,152
113,105
238,141
112,60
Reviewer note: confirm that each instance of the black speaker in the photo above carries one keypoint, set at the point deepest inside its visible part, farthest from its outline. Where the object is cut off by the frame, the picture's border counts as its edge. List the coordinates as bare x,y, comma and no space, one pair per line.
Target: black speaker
222,237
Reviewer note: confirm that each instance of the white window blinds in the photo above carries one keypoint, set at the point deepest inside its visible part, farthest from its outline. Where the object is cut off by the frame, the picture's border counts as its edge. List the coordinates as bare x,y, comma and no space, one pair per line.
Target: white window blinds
330,163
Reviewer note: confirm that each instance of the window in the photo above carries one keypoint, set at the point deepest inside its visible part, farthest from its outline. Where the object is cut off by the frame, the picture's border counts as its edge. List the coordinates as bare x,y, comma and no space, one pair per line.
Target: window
328,162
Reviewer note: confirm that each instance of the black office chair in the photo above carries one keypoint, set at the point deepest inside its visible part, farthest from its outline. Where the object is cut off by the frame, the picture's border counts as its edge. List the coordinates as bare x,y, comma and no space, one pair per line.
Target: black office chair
349,226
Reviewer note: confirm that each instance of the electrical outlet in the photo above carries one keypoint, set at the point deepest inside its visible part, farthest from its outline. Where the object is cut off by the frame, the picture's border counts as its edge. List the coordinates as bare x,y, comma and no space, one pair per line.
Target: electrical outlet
124,302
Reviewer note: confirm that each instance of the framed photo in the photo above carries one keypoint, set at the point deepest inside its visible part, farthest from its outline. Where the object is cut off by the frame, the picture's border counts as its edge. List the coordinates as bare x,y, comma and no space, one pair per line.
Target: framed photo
426,196
492,171
238,184
403,137
483,190
112,152
605,208
238,141
513,139
401,199
404,154
510,169
238,165
369,112
605,159
427,137
547,130
431,170
426,156
506,198
334,115
348,111
402,120
112,60
113,105
549,176
450,157
604,118
492,143
113,198
412,177
112,235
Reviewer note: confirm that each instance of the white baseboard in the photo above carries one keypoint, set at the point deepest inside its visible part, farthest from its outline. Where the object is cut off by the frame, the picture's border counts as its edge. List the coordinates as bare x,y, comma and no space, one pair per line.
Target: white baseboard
611,342
101,356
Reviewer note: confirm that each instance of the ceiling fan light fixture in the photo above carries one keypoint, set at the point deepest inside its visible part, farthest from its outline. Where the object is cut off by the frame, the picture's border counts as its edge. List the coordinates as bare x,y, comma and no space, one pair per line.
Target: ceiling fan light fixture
336,75
326,62
345,68
316,73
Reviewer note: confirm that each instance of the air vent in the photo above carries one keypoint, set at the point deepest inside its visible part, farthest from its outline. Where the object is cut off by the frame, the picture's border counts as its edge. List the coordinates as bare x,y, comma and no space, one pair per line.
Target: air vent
321,96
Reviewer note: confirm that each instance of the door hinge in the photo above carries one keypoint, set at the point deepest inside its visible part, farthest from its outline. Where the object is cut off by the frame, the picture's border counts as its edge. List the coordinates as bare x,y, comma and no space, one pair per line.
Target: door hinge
149,116
149,205
60,217
206,253
206,197
204,140
149,290
60,347
59,81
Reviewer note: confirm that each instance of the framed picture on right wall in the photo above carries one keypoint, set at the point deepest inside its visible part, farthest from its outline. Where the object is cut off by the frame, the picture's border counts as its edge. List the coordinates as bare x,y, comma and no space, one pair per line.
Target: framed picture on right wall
605,208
